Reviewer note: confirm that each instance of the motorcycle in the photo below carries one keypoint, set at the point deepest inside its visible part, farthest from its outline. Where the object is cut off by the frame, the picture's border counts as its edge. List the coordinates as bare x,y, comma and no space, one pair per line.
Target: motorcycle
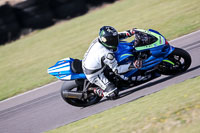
159,57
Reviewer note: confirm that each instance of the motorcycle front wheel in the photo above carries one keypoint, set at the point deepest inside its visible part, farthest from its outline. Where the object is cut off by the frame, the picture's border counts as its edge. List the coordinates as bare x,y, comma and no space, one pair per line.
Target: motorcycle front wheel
179,61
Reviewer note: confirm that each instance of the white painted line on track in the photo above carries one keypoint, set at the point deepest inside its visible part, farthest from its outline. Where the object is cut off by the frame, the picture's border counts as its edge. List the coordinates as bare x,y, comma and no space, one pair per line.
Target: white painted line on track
30,91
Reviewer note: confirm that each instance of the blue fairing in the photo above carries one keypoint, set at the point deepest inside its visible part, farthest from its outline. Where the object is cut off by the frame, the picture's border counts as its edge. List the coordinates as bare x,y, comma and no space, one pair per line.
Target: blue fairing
158,54
124,54
155,32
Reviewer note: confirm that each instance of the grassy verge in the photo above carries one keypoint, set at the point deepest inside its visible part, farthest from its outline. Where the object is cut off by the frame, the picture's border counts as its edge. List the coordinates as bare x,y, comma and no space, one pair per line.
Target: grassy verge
23,63
173,110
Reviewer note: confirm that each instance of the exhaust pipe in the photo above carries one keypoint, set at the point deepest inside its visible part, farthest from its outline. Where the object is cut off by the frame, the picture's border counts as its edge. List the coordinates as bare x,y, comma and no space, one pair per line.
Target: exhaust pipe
72,94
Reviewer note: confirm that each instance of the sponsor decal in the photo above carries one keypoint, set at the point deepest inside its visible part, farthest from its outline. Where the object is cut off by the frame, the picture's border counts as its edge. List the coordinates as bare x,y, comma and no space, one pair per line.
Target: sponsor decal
160,40
109,30
102,32
103,39
127,34
115,34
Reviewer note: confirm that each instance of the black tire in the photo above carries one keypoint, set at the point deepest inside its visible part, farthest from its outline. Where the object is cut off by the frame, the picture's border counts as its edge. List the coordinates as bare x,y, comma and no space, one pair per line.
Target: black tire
181,59
1,21
67,10
9,32
26,4
43,2
94,2
13,30
70,85
38,21
11,18
3,28
35,16
3,38
5,10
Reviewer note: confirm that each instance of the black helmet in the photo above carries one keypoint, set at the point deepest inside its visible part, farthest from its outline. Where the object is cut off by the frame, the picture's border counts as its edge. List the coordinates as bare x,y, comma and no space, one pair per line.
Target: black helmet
109,37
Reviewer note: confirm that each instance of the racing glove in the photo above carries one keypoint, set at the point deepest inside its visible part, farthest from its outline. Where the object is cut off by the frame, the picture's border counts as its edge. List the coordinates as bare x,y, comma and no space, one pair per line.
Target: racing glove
137,64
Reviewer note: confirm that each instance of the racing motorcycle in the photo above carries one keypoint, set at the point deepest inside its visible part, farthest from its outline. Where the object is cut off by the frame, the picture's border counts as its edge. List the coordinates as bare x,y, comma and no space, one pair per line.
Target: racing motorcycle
158,57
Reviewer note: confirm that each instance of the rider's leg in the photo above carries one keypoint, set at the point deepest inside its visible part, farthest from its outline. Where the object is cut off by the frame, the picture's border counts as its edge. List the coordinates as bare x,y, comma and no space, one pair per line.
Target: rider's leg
107,88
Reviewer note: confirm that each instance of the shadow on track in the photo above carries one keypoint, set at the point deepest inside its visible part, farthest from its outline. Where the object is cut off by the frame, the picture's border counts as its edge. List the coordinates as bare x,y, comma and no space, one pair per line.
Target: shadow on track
146,85
155,82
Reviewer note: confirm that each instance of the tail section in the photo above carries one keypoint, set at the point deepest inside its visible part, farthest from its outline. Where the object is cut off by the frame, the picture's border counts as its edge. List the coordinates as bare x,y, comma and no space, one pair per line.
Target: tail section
62,70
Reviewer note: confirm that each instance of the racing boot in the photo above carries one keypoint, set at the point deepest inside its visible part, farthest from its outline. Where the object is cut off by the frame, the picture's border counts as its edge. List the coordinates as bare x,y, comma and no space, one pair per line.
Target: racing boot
111,92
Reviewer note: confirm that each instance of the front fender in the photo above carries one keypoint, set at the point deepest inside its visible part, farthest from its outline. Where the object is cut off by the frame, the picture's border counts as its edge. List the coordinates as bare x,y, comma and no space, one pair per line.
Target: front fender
171,49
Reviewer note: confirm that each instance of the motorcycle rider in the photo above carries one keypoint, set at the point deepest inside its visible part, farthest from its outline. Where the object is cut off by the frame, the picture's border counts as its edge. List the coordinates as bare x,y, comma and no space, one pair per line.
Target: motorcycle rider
100,54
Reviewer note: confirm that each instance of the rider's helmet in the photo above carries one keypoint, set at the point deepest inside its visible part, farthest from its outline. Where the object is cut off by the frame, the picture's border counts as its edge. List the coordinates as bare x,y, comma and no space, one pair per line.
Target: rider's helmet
108,37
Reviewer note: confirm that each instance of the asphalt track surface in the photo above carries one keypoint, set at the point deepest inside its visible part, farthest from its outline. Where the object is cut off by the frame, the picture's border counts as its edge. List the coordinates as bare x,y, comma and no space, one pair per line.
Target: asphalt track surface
43,109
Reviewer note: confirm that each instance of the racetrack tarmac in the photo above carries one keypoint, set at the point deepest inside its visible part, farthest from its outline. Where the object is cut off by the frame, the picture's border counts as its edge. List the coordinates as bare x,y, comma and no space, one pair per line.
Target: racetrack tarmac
43,109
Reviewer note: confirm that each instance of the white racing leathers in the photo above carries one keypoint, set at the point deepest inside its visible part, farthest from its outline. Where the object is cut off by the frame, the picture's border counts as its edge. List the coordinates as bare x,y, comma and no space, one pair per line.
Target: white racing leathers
95,60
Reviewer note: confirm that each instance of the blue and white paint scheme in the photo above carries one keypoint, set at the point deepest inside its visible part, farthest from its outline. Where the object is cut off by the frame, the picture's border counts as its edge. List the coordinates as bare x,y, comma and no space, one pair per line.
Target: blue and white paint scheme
62,70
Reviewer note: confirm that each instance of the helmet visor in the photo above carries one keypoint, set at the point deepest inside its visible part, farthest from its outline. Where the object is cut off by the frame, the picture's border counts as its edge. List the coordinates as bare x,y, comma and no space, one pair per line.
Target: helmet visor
113,41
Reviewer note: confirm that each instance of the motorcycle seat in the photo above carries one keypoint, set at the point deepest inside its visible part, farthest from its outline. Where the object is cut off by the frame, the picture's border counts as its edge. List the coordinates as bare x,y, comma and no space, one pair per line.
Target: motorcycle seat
77,66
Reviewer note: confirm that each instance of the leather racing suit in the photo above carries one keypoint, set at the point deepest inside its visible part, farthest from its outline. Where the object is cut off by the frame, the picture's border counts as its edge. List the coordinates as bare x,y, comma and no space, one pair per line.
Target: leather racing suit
97,57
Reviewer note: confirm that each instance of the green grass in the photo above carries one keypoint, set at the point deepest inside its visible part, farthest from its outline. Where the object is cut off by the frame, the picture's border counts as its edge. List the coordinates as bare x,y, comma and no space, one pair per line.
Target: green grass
175,109
23,63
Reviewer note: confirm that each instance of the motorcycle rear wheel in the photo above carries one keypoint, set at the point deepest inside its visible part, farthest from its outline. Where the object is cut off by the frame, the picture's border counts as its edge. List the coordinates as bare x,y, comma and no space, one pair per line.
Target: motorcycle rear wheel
72,86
